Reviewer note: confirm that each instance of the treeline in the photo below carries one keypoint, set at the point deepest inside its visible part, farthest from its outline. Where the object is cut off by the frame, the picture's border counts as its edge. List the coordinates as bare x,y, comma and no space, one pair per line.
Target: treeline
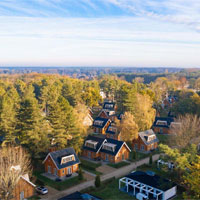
39,111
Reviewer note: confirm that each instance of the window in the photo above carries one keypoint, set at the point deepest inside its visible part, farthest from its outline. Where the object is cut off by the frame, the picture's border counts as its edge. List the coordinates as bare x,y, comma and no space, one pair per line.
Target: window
161,130
91,144
112,129
109,147
142,147
109,105
151,137
66,159
98,122
160,122
63,171
136,146
69,170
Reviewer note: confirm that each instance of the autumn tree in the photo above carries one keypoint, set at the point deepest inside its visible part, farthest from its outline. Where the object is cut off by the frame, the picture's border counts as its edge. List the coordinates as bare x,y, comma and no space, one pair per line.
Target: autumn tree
127,127
186,130
14,163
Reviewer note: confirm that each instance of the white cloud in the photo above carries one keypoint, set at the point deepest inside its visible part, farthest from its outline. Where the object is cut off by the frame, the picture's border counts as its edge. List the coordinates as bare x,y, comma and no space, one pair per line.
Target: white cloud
99,42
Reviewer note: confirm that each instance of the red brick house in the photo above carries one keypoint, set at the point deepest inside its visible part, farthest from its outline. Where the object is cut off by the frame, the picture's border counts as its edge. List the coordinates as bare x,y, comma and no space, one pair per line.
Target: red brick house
146,141
105,149
24,188
100,125
162,125
61,163
108,114
112,132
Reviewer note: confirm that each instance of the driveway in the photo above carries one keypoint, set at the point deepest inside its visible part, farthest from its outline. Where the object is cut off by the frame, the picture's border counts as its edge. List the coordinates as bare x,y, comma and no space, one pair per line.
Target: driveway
105,169
116,173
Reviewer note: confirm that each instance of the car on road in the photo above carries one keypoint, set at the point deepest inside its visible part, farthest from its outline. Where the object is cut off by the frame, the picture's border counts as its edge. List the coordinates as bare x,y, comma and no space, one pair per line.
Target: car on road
42,190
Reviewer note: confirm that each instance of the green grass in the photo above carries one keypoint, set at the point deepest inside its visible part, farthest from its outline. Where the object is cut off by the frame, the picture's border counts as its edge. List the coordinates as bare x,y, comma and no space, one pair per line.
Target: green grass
58,185
90,166
118,165
35,197
109,190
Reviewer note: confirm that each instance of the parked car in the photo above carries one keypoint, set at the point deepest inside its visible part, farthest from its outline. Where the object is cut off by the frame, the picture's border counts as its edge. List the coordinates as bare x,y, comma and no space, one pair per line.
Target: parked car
42,190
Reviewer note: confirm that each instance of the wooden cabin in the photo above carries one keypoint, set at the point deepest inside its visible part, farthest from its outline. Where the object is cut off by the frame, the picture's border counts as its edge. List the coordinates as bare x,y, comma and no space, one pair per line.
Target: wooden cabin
61,163
146,141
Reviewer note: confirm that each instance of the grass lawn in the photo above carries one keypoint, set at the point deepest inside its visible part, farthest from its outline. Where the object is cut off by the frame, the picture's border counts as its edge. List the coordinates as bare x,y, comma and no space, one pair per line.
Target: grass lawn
57,185
109,190
118,165
35,197
90,166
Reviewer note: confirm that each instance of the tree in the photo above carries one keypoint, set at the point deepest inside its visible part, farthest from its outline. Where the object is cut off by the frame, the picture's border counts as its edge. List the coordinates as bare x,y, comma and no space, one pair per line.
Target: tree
80,174
150,159
127,127
186,130
191,180
14,163
97,181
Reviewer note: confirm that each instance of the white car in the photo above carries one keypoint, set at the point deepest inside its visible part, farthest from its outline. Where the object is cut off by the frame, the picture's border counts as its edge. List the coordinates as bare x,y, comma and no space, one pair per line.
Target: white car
42,190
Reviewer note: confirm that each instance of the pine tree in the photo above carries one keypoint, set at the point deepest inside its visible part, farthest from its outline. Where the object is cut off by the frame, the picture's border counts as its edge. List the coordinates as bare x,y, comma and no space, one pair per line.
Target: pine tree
97,181
150,160
80,174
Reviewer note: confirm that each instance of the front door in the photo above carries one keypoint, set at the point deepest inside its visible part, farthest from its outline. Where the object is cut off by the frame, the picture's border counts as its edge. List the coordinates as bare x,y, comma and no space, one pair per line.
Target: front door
49,169
123,156
106,157
69,170
22,195
55,171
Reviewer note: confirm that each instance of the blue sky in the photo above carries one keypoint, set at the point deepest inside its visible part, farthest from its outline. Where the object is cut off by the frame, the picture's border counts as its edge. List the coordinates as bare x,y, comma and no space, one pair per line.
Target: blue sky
142,33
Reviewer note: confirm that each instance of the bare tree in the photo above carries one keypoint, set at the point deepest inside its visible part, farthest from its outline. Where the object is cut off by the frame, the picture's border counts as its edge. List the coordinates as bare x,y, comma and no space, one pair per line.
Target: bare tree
14,163
185,130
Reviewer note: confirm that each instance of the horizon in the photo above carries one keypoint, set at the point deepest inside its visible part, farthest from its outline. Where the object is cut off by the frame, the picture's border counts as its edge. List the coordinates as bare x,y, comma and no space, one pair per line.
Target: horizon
100,33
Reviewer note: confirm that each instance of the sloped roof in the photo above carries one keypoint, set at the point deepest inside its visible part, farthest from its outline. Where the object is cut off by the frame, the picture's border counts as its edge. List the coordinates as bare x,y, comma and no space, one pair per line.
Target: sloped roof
153,181
167,119
104,122
58,155
109,131
102,141
96,139
109,104
145,134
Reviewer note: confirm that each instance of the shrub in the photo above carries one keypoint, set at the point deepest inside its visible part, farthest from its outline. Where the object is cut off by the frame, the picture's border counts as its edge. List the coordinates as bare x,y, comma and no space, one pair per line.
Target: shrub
97,181
150,160
134,155
80,174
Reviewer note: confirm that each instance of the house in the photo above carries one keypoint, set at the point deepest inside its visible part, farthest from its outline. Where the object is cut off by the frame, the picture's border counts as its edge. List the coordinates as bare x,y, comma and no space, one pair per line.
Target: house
61,163
101,124
108,114
109,106
102,94
105,149
79,196
88,120
162,125
112,132
92,146
147,185
146,141
24,188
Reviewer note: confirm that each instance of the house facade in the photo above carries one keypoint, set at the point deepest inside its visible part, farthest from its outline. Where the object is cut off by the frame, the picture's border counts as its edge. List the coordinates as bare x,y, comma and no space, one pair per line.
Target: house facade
24,188
112,132
100,125
105,149
108,115
162,125
146,141
61,163
88,120
148,186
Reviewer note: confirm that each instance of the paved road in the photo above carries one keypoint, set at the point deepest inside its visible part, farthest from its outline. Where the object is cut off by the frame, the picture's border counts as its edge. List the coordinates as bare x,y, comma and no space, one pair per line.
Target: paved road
117,174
